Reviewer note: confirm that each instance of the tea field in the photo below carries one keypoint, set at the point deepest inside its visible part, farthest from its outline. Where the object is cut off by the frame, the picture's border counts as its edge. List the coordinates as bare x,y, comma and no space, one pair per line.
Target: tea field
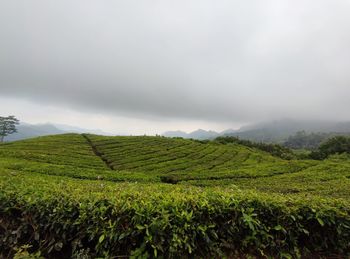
88,196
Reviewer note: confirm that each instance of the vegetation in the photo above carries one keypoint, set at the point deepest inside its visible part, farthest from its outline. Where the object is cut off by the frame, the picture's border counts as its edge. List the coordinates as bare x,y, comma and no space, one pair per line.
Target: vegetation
87,196
309,141
335,145
273,149
7,126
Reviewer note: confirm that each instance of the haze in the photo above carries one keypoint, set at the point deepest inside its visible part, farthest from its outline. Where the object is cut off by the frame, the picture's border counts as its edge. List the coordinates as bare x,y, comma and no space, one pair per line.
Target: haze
149,66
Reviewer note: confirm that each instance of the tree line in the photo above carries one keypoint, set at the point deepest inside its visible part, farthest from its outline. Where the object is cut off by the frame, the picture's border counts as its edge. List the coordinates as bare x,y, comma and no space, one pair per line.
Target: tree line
273,149
335,145
331,146
310,141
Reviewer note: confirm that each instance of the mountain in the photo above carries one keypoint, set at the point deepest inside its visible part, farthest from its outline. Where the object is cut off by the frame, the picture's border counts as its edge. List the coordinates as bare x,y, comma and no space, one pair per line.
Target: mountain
74,129
26,130
342,127
203,134
276,131
280,130
175,133
228,131
197,134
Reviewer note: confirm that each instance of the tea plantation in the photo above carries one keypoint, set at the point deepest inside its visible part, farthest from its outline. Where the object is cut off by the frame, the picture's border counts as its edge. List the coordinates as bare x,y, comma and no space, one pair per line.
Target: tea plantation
88,196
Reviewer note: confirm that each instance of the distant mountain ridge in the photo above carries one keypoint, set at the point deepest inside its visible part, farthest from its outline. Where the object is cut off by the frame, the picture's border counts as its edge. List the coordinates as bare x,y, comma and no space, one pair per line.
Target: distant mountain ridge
26,130
197,134
279,130
270,132
276,131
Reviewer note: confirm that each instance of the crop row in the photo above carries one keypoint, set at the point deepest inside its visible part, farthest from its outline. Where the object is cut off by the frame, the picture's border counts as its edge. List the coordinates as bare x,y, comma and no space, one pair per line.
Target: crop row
331,178
62,217
163,155
67,149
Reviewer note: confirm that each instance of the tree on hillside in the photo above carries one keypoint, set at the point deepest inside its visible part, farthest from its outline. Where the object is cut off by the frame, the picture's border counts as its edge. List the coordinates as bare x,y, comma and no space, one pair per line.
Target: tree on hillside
339,144
335,145
304,140
7,126
273,149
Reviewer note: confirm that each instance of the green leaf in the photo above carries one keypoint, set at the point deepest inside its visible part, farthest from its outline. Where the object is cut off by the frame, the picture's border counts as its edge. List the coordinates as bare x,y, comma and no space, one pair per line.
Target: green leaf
102,237
278,227
139,227
320,221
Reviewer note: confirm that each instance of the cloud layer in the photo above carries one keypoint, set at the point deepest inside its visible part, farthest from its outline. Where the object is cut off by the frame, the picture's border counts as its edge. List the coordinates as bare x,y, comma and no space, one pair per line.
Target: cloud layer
219,61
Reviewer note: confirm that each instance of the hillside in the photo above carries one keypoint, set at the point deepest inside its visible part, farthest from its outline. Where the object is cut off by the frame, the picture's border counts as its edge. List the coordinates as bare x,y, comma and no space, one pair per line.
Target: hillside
162,156
160,159
115,192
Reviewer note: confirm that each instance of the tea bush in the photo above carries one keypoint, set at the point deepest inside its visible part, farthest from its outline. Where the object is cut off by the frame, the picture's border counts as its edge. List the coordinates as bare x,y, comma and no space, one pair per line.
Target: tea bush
59,198
60,216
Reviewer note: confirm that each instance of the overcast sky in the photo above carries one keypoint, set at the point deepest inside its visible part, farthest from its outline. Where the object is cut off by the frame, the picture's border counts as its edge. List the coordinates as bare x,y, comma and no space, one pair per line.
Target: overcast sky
147,66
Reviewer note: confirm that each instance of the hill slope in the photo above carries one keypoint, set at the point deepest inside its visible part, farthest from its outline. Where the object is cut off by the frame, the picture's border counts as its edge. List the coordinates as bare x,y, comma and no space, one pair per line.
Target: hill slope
59,195
191,159
65,149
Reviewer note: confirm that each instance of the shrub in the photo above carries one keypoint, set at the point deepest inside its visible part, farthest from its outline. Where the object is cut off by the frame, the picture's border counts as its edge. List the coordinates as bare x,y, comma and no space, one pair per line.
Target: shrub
60,219
273,149
335,145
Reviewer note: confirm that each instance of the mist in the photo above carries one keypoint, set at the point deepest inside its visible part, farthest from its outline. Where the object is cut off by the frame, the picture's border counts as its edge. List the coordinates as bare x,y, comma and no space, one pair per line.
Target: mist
224,63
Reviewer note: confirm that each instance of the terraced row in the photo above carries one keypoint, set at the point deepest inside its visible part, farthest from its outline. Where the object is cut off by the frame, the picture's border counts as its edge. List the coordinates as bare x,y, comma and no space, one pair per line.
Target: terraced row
66,149
330,178
189,159
58,197
141,159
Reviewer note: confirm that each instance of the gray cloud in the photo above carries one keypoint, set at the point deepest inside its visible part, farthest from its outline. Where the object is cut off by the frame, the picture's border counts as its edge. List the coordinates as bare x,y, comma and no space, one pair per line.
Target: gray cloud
210,60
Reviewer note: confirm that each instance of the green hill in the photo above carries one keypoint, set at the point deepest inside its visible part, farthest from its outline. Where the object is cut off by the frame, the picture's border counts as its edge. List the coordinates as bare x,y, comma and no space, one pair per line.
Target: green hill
66,149
77,195
177,159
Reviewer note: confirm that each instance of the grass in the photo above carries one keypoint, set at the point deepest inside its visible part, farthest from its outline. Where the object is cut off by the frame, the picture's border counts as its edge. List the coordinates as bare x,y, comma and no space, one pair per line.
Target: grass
60,195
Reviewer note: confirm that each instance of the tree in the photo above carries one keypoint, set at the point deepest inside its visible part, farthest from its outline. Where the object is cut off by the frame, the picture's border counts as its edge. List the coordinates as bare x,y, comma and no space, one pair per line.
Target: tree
335,145
339,144
273,149
7,126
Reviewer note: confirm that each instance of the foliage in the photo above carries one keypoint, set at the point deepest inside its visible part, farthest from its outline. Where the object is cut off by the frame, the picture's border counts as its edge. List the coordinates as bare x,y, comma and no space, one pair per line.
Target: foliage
309,141
335,145
273,149
60,216
329,178
61,200
162,156
7,126
22,253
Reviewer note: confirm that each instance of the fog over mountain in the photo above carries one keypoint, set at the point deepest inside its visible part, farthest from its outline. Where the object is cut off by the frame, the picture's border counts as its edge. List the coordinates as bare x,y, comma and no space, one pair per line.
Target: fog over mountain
197,134
269,131
280,130
150,66
26,130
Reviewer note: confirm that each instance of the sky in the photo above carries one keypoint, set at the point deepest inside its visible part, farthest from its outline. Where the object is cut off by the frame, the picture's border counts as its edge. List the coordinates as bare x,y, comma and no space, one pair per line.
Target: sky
139,67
